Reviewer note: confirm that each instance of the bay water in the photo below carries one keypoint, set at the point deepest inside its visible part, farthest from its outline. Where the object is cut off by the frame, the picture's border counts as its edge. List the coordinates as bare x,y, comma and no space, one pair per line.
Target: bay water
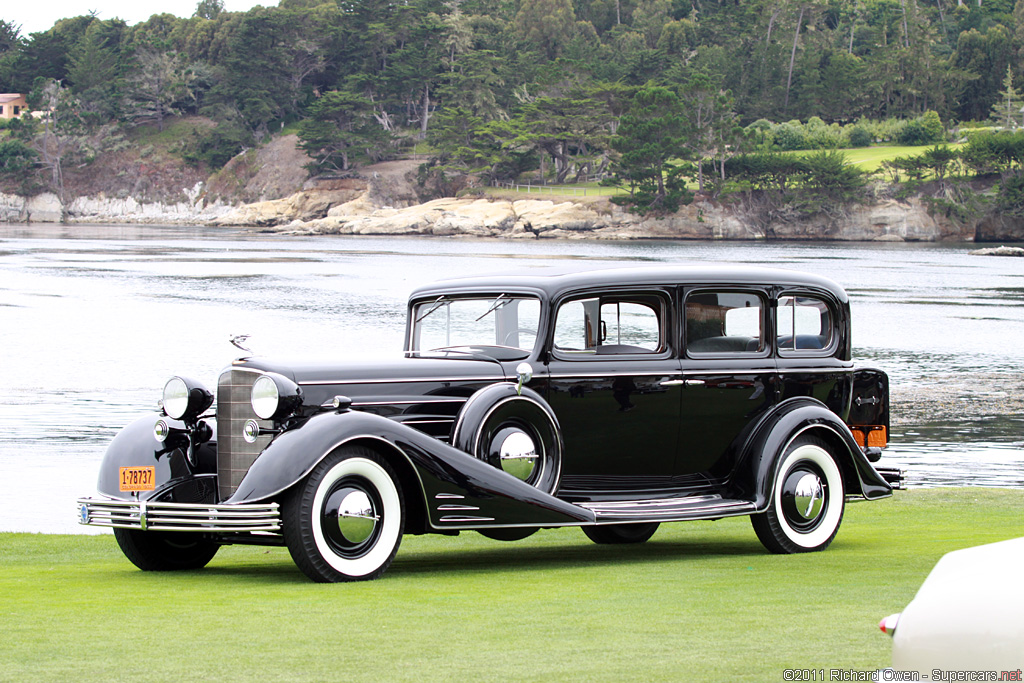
94,320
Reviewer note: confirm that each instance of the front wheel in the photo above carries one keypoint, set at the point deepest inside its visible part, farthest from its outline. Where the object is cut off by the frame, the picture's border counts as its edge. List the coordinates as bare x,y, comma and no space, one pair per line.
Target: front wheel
162,551
621,533
807,501
344,521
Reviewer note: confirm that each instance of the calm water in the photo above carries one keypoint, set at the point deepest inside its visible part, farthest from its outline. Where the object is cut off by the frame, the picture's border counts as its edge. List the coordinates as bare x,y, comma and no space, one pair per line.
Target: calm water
93,320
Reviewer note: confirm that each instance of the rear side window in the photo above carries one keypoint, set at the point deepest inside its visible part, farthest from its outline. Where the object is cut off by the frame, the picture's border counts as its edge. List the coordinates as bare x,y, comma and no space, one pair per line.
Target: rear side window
804,324
724,323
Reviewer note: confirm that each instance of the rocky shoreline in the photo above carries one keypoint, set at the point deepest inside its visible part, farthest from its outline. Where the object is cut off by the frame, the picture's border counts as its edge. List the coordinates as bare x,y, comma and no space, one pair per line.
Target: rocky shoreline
383,201
596,219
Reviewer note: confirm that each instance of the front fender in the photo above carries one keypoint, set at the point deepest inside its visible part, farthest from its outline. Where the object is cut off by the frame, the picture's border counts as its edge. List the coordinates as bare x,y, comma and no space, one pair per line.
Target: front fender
136,446
790,419
458,490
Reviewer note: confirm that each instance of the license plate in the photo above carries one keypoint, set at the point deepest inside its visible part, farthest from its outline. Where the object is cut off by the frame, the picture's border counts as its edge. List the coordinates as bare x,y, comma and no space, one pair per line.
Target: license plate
137,479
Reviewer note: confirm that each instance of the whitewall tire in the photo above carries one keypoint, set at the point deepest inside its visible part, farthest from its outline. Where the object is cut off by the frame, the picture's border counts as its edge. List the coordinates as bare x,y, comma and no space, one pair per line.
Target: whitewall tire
807,501
344,521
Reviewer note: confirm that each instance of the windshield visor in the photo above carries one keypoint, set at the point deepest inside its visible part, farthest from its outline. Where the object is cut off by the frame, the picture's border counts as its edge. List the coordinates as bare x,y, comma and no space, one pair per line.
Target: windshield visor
500,321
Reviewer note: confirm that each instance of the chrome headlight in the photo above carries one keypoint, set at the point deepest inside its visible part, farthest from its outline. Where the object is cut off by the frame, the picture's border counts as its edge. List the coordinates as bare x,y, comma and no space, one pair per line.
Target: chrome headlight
186,399
275,396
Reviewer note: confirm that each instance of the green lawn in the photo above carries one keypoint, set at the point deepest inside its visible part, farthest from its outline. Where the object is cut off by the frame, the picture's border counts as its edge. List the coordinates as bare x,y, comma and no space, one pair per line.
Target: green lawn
866,158
871,158
562,192
701,601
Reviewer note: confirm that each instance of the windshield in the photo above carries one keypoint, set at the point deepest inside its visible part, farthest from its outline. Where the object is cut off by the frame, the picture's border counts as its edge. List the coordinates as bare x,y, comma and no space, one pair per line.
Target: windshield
498,321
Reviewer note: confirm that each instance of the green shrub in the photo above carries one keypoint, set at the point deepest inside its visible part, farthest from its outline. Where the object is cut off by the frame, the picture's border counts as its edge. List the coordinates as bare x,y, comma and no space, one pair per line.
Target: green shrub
827,174
214,147
860,136
924,130
790,136
1011,195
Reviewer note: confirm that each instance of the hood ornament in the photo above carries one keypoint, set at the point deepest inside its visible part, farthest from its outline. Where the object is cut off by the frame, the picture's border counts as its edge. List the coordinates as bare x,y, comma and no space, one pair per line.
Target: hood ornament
238,340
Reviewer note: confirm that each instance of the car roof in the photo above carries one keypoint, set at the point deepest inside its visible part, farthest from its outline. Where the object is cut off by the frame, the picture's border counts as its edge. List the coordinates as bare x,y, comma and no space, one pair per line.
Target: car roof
555,282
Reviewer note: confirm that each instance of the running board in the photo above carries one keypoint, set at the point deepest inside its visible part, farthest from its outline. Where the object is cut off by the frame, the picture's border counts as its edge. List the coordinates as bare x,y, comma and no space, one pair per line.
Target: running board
668,509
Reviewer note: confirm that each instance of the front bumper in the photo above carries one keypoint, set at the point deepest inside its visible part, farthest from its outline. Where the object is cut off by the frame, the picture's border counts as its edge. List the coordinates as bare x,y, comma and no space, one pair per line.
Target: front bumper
147,515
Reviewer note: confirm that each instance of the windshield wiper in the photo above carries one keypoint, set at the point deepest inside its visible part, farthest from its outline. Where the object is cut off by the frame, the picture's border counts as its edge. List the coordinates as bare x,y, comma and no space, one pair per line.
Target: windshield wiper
438,303
498,303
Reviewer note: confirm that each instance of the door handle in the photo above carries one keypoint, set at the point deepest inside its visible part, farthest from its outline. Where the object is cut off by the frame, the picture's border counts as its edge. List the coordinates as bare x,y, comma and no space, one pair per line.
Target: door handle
672,383
694,382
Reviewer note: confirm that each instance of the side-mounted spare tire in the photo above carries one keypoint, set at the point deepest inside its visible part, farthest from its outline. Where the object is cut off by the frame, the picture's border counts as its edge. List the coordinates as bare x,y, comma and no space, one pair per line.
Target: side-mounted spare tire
515,432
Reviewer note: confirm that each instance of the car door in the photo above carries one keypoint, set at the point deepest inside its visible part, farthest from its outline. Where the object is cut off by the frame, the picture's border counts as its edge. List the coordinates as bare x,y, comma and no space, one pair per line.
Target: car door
614,383
729,378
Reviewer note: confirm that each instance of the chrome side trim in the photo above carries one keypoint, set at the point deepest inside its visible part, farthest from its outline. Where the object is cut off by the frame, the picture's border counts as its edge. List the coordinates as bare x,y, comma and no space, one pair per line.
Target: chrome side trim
579,375
449,496
456,508
312,383
158,516
705,371
468,519
413,402
804,371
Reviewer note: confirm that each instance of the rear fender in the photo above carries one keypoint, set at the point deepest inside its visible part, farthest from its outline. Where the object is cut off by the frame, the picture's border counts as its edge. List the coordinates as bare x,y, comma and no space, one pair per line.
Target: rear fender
791,419
458,490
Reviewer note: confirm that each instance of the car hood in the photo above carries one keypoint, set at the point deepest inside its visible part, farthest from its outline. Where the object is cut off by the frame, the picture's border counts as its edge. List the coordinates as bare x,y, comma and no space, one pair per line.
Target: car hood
401,369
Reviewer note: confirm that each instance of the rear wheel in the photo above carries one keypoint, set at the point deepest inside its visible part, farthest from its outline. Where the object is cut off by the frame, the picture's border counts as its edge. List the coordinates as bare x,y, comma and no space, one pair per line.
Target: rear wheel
621,533
807,502
161,551
344,521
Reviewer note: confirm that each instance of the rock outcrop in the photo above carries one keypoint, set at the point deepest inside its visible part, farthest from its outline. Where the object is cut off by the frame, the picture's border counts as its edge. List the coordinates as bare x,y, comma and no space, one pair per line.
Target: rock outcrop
45,208
999,251
599,219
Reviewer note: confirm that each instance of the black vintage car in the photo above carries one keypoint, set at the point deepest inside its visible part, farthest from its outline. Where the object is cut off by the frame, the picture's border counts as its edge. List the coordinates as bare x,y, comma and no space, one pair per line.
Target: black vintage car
612,400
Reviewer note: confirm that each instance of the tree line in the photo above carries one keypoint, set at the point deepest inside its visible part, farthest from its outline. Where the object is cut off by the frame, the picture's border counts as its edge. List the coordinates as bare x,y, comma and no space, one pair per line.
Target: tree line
568,89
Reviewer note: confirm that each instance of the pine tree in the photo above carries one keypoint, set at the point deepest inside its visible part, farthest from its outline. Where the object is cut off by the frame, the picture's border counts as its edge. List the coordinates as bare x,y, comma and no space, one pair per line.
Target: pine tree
1008,111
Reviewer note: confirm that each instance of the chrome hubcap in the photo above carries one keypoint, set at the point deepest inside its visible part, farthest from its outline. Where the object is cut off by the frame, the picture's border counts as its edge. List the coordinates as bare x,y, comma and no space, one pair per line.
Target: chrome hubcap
518,454
350,519
355,517
803,498
808,496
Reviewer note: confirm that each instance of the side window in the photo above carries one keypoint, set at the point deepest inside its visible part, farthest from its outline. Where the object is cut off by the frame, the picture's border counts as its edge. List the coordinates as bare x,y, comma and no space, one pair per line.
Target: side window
804,323
724,322
610,325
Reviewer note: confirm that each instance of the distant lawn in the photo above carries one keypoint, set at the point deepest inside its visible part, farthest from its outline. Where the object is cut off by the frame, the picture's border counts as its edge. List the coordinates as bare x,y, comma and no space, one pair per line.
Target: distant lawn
866,158
574,191
871,158
701,601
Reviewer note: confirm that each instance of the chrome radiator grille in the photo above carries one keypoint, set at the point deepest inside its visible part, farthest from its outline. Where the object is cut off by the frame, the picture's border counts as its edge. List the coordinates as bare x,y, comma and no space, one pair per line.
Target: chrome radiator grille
234,455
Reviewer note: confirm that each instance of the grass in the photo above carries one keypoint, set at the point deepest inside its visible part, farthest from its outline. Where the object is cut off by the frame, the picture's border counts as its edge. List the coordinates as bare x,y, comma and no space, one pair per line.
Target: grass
866,158
576,191
175,130
871,158
701,601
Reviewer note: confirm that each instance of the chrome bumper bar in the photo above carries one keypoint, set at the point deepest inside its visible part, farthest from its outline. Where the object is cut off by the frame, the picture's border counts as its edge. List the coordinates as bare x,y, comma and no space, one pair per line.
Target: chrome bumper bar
147,515
894,475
